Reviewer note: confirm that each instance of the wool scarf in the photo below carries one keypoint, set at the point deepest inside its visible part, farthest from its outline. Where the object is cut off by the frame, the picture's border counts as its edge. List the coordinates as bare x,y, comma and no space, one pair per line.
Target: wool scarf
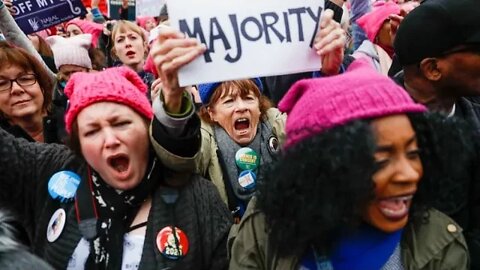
228,148
114,210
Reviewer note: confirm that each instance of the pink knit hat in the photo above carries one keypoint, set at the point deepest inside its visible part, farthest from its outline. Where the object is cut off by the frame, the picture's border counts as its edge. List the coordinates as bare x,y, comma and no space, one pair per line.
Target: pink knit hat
71,51
315,105
373,21
88,27
120,85
142,20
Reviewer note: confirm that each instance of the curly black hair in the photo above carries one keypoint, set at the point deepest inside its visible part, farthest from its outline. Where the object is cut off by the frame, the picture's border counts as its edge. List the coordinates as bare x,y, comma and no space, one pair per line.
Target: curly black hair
321,186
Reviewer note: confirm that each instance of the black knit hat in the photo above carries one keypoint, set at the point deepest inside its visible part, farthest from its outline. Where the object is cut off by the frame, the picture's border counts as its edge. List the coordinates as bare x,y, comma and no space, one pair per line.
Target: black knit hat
435,27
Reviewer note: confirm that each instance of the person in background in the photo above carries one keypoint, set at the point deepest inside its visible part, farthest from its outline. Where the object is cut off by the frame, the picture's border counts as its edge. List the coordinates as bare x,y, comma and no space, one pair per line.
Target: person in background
60,30
241,133
71,56
444,76
77,26
25,93
379,45
53,130
131,49
146,22
356,182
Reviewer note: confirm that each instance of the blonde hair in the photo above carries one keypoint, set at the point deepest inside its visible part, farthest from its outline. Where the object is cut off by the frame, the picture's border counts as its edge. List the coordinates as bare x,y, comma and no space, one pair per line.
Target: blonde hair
123,26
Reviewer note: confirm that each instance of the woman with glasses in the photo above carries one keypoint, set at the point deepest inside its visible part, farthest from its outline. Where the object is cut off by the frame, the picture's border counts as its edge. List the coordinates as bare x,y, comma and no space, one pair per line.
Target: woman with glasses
54,131
25,94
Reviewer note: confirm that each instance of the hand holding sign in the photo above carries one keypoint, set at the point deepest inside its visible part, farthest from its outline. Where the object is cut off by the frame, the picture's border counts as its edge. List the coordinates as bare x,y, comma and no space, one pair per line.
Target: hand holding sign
170,52
248,38
330,44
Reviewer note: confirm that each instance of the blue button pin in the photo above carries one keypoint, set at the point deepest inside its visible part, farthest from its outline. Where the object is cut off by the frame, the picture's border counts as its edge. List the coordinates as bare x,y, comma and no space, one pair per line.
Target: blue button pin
63,185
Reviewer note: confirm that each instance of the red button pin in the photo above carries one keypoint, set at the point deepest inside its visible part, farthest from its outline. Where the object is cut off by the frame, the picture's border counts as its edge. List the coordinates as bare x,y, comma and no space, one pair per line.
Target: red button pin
173,245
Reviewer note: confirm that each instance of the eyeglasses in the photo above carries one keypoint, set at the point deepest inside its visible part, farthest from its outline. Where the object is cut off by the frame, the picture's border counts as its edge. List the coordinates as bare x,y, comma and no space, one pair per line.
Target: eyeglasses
24,80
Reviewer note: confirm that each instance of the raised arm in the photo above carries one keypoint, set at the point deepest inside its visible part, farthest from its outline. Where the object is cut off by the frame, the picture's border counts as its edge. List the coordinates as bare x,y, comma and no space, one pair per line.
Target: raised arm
176,128
15,35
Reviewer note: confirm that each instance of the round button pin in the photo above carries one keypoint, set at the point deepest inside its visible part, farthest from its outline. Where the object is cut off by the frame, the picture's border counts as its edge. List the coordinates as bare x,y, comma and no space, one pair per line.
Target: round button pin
56,225
246,159
451,228
63,185
247,179
273,144
172,245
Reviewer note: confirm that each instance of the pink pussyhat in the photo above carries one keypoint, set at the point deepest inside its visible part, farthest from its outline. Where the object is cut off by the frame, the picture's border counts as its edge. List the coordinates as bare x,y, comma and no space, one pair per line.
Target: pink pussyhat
372,22
120,85
88,27
315,105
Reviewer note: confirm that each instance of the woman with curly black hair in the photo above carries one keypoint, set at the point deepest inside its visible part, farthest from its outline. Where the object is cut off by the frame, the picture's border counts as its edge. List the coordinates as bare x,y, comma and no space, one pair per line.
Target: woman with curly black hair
356,186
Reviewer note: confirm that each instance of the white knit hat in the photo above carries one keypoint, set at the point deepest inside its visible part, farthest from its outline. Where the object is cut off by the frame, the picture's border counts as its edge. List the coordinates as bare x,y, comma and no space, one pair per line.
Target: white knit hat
71,51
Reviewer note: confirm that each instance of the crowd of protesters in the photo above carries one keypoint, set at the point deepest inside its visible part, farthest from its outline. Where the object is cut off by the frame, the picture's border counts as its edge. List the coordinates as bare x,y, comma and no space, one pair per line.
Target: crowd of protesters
370,162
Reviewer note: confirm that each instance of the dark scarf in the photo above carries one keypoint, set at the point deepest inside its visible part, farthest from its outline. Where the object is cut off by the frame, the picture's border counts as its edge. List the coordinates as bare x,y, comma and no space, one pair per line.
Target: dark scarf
229,148
112,213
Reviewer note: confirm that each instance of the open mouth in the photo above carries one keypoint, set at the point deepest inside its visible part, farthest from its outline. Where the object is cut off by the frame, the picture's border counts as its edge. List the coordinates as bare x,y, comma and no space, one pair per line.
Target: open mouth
396,207
242,124
119,163
130,53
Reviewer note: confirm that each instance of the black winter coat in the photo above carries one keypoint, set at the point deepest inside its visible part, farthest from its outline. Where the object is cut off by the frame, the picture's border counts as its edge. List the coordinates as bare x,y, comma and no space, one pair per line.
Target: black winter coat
464,205
25,169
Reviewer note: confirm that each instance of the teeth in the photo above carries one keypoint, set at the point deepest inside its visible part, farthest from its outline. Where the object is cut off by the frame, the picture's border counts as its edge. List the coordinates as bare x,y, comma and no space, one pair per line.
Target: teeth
392,212
405,198
401,198
242,120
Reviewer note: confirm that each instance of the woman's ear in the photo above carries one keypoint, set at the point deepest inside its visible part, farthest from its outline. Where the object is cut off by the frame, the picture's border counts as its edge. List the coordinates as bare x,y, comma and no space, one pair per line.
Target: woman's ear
211,113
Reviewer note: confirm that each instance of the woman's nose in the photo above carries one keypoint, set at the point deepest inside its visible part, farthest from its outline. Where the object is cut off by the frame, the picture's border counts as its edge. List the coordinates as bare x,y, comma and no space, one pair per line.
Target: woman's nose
111,140
407,171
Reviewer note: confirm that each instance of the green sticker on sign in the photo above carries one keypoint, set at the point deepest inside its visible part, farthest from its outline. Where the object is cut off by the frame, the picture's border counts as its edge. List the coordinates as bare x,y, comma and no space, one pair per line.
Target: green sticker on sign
247,159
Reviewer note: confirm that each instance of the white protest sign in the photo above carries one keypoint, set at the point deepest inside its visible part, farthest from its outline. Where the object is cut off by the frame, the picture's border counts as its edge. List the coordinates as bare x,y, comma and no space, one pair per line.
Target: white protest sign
148,7
248,38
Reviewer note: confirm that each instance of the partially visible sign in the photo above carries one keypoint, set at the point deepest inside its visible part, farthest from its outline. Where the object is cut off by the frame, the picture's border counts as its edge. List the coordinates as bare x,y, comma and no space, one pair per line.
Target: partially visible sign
35,15
114,9
148,7
248,38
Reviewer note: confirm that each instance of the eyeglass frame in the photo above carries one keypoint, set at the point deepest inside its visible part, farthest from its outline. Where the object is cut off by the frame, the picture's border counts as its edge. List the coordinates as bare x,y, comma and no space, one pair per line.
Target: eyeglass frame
16,80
